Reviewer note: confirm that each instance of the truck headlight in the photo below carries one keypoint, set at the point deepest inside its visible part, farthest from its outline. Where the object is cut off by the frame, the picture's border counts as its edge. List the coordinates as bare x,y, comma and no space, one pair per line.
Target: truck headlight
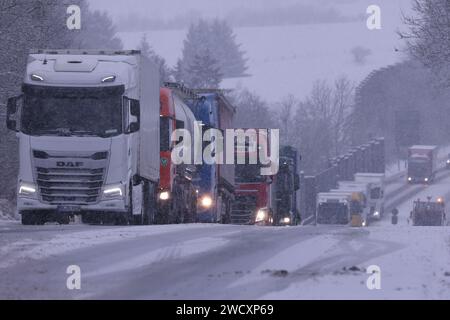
448,161
113,191
286,220
376,214
426,179
409,179
27,189
206,201
165,195
261,215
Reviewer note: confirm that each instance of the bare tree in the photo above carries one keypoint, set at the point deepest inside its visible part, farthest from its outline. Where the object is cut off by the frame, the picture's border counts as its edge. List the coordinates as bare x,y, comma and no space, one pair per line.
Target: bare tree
428,37
286,111
343,100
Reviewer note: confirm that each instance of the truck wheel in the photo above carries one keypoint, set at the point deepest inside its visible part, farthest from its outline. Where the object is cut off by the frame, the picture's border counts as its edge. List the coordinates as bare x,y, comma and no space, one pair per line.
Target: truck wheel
86,218
33,218
148,203
28,218
63,219
162,215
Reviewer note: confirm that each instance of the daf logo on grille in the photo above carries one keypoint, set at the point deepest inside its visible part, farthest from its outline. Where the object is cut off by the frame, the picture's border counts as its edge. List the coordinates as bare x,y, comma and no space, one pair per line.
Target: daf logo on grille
69,164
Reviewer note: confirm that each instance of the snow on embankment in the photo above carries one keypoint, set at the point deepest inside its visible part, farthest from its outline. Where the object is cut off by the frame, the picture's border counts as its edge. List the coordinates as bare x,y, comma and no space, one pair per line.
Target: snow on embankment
6,210
414,264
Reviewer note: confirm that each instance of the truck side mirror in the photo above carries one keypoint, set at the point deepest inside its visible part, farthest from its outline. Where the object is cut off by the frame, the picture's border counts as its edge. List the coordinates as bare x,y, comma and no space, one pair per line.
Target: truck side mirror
135,108
133,115
134,127
11,110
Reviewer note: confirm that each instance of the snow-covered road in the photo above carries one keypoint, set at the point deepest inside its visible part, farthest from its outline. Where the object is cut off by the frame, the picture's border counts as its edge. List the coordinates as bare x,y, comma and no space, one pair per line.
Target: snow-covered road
232,262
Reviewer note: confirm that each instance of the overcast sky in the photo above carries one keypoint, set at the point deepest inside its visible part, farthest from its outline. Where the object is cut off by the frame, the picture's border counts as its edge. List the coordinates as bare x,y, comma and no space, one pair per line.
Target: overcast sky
221,8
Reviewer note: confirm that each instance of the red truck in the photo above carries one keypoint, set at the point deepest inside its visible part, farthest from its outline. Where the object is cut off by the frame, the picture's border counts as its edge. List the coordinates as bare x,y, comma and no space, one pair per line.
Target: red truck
177,199
254,193
422,163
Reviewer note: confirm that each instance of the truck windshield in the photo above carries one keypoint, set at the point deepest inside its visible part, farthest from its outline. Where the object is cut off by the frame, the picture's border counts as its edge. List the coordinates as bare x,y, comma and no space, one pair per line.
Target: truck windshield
418,168
72,111
247,173
332,213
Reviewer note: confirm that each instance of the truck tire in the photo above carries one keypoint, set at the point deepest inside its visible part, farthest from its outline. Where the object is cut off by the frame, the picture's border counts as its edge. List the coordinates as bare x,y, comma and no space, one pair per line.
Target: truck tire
63,219
33,218
28,218
162,215
149,203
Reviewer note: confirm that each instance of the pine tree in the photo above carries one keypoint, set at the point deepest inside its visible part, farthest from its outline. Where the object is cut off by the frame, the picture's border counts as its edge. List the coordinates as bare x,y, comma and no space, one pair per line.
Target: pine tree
218,38
226,49
164,71
204,72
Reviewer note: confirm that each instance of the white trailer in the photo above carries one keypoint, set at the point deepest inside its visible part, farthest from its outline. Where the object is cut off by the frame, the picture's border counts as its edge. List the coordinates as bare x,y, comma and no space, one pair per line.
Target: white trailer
88,129
376,195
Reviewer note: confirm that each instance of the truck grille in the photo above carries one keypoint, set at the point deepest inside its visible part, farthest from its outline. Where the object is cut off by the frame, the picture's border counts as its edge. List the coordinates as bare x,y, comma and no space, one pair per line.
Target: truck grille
244,208
64,178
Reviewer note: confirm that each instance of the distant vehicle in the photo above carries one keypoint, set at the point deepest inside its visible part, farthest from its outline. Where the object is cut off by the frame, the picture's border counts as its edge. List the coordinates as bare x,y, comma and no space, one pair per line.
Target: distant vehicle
88,128
333,208
376,193
428,213
359,205
255,194
287,185
422,164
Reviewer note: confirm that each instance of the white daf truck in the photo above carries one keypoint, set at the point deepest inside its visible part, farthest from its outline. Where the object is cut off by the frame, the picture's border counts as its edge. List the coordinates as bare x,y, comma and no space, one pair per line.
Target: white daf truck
88,130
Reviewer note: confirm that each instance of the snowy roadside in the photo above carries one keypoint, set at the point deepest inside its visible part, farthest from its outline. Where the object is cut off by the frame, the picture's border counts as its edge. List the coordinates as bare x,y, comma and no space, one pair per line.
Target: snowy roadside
417,267
6,211
40,246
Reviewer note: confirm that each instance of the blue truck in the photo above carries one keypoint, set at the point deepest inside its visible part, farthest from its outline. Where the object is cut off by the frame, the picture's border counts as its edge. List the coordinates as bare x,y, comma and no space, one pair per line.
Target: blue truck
214,182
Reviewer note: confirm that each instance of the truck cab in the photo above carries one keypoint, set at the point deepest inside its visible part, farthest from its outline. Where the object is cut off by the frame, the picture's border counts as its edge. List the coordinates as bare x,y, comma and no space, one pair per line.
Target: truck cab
422,164
333,208
359,209
286,186
376,193
87,133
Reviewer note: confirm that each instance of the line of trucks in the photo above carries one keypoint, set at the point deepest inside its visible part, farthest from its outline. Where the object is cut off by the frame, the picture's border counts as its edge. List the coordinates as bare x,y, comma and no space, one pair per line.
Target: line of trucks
94,130
361,201
356,203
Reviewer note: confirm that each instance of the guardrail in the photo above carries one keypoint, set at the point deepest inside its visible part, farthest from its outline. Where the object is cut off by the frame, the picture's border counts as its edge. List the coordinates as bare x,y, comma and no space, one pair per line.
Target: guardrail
369,157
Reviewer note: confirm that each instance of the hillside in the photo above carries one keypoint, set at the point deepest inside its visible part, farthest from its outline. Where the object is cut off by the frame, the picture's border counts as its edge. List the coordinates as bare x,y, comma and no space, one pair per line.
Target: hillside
288,59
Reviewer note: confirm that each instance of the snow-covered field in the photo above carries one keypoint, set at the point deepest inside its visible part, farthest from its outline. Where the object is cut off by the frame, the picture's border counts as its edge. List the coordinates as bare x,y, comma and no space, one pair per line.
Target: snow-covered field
288,59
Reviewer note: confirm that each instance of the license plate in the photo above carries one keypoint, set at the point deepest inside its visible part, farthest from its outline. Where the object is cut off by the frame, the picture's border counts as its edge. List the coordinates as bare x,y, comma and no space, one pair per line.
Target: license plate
68,208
